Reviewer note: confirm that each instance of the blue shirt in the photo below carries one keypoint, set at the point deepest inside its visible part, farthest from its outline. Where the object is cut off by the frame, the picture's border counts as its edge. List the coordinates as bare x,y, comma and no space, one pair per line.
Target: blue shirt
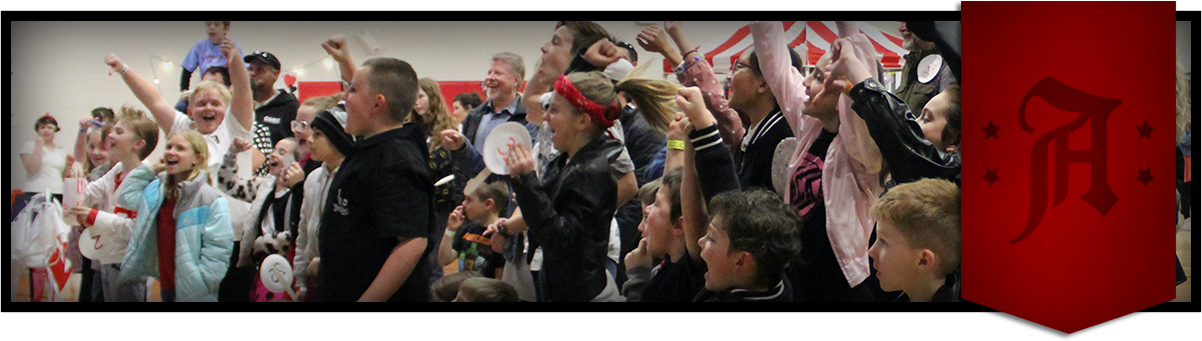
204,55
491,120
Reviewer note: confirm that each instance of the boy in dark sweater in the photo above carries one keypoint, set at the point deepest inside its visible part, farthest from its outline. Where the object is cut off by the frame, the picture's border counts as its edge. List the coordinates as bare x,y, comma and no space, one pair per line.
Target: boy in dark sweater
751,235
751,238
680,276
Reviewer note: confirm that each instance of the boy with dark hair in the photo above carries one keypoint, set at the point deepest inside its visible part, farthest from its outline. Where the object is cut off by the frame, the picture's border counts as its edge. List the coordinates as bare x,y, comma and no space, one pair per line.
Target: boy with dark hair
379,215
751,238
917,247
482,207
680,277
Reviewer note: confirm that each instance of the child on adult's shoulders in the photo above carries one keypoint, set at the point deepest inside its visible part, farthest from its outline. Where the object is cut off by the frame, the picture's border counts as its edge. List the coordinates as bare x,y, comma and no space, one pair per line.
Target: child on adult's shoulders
917,249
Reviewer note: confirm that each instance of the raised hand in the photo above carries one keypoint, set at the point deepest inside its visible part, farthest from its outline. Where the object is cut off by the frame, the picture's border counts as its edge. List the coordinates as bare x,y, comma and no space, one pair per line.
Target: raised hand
294,175
455,219
673,27
602,53
653,39
692,103
680,128
115,65
337,48
519,160
229,50
452,139
845,67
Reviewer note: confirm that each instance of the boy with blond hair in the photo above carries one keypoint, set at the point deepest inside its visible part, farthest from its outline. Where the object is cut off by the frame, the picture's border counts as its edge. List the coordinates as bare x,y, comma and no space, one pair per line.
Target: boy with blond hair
917,247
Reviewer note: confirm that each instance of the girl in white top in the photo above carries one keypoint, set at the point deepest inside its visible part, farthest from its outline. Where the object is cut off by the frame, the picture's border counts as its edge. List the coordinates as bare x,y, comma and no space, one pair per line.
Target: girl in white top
110,227
44,162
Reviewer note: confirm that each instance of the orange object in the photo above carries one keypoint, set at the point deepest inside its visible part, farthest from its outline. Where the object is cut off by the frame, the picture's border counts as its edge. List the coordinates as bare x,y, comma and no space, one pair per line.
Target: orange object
13,198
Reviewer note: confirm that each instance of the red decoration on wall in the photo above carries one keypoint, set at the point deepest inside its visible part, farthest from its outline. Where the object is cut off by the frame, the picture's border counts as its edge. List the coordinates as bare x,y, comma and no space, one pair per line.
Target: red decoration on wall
451,88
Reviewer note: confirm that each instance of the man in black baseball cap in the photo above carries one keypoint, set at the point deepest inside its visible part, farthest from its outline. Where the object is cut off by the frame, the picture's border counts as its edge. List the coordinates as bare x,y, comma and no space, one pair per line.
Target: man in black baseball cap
275,109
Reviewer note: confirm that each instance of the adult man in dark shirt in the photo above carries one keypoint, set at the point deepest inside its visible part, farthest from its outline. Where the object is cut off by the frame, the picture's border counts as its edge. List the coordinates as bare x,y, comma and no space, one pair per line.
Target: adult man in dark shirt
274,108
925,73
379,215
505,76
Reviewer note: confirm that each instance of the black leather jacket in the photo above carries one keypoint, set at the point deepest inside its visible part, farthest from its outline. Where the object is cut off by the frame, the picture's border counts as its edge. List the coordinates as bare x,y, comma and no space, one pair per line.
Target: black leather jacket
569,215
908,153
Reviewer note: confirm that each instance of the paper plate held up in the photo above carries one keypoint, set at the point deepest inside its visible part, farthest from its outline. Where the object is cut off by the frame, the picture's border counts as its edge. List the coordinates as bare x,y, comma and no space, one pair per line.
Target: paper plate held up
276,273
496,147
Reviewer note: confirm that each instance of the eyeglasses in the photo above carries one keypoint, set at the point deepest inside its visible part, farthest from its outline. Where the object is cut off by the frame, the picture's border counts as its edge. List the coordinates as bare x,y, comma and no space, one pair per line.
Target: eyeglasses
299,126
738,65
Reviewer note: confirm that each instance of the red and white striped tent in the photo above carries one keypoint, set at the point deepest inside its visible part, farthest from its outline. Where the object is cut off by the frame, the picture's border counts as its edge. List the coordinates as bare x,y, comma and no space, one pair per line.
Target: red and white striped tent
808,38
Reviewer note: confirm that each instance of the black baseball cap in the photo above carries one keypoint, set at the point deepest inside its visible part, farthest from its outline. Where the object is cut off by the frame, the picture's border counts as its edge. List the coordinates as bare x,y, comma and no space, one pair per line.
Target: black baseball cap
266,57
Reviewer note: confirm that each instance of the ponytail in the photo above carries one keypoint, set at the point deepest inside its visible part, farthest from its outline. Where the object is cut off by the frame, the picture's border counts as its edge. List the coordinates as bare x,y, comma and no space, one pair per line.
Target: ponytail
654,98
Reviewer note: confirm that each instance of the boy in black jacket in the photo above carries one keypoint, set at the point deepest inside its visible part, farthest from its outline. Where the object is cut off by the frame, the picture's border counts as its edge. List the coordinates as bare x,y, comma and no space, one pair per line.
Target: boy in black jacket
751,235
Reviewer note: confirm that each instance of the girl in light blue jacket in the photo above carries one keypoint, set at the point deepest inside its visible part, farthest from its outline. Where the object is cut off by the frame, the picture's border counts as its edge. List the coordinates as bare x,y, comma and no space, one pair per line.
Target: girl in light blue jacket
182,235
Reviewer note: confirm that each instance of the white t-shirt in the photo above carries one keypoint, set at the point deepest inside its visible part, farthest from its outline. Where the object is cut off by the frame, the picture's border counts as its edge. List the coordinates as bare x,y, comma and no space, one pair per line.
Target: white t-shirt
50,173
219,143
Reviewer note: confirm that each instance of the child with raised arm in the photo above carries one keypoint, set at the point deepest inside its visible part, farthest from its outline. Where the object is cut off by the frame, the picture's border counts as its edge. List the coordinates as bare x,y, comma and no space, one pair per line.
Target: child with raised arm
379,217
110,225
833,176
926,145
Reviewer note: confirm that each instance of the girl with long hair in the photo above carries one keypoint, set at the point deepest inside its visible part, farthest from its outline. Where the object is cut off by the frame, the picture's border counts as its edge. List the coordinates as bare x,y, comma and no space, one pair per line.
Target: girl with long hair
182,234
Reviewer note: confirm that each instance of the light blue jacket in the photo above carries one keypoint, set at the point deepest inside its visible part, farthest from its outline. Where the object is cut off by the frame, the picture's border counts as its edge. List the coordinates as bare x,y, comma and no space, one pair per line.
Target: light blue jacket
204,237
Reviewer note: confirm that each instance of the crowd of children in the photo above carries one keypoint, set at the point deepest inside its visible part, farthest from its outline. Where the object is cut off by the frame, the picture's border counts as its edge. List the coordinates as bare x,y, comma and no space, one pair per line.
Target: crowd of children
381,187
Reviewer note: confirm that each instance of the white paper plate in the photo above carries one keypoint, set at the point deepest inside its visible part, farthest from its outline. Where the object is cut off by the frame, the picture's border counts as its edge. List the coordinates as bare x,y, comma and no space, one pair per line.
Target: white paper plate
91,246
929,67
496,147
276,273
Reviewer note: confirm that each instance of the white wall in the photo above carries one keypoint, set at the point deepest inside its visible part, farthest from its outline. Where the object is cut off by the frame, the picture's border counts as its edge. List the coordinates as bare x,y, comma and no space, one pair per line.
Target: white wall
58,66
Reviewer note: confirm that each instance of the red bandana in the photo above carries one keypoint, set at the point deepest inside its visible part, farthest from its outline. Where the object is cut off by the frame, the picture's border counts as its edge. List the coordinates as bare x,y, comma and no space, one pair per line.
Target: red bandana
604,116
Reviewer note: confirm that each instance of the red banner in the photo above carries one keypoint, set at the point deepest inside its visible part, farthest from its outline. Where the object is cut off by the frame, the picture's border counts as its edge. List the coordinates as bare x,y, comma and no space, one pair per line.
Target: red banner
1068,178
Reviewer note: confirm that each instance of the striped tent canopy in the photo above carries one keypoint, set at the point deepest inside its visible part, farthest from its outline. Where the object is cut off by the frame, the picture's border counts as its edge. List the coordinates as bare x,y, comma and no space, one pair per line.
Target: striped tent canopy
808,38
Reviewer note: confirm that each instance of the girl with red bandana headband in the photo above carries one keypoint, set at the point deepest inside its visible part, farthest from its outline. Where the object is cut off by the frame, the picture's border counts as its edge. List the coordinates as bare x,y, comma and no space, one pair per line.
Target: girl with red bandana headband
568,211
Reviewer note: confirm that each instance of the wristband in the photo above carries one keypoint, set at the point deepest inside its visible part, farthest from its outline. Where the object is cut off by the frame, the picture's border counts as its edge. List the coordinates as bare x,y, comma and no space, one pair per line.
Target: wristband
676,144
449,233
686,54
124,67
83,130
685,65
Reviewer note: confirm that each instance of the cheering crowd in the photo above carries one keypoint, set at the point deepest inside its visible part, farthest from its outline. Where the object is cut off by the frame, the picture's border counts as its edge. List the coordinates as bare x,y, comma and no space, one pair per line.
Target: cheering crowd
779,184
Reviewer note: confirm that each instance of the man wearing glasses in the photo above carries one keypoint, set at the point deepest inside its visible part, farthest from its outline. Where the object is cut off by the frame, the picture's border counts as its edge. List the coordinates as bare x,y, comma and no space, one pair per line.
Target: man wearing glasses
274,108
